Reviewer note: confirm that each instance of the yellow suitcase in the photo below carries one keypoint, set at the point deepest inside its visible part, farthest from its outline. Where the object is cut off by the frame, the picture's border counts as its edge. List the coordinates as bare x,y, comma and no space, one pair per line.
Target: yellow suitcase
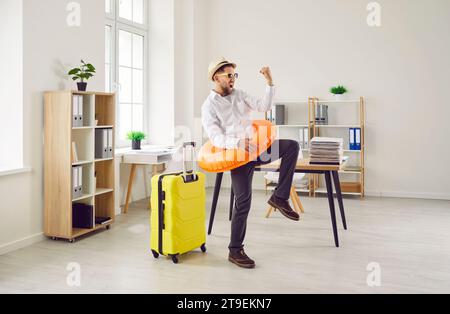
178,213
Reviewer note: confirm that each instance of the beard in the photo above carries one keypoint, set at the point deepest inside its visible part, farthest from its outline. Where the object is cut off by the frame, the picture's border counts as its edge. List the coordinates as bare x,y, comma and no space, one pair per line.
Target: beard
227,89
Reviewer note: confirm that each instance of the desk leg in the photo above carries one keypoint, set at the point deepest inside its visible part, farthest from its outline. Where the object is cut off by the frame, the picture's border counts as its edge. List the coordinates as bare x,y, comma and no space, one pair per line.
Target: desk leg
331,203
337,186
130,187
155,172
219,177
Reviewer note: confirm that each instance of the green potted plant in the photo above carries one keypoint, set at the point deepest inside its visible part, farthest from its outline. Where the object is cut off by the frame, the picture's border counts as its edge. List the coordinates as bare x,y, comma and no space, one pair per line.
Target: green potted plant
338,91
84,72
136,137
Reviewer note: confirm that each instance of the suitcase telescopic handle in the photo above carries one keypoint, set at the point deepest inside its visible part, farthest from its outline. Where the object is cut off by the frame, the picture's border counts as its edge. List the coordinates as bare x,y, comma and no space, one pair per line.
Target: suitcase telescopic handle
185,175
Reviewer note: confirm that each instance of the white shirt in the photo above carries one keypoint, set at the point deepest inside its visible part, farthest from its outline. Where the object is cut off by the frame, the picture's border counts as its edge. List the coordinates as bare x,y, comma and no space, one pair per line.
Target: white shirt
227,120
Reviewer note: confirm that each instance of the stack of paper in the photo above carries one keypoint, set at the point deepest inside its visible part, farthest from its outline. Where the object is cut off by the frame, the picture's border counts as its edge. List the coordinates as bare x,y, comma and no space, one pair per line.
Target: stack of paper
326,150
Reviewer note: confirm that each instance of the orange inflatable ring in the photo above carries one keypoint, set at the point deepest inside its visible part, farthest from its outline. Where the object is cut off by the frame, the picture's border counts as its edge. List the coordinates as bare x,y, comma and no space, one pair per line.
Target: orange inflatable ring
216,160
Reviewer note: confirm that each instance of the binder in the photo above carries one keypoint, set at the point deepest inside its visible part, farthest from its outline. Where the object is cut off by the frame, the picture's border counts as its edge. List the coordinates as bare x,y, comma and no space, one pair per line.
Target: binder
358,139
110,143
352,139
105,143
75,111
83,216
77,190
302,138
306,137
280,114
80,111
74,182
80,180
101,143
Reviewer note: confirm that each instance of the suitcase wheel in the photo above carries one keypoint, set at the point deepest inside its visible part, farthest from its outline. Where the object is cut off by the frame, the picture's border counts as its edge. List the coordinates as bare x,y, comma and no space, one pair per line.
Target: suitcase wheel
174,259
155,254
203,248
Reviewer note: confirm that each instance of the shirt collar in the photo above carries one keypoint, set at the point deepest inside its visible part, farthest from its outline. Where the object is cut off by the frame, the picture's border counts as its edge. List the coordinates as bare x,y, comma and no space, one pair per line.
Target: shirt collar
214,95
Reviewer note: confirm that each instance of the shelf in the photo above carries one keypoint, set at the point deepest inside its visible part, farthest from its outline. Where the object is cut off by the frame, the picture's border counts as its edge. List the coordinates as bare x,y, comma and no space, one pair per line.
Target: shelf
103,159
81,162
291,126
77,92
344,150
290,102
83,128
104,127
84,143
100,191
351,151
103,114
84,196
76,232
351,170
338,126
338,101
104,203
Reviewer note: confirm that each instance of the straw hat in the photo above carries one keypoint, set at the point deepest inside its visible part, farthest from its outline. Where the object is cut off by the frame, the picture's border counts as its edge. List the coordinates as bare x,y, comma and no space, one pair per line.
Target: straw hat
216,65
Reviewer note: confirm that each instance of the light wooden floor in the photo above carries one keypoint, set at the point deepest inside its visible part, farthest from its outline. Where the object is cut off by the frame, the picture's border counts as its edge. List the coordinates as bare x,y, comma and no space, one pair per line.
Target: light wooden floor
410,240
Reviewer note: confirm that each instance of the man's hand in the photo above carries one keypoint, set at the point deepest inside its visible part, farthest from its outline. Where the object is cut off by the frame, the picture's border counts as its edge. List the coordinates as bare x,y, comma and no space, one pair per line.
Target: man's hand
267,74
245,144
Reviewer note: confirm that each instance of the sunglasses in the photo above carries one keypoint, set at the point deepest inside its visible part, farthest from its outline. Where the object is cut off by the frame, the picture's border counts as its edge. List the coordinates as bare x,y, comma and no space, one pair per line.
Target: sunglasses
230,75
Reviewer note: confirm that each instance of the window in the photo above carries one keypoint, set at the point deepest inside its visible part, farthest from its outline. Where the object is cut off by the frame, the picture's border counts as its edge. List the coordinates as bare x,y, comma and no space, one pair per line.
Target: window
125,60
11,85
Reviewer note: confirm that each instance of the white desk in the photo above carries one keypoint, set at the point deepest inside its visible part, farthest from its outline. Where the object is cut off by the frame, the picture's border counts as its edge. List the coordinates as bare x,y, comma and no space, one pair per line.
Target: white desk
149,155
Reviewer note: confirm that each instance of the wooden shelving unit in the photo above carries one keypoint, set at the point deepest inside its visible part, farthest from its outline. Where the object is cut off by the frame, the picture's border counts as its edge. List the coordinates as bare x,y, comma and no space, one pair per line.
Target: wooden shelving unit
302,115
58,137
357,166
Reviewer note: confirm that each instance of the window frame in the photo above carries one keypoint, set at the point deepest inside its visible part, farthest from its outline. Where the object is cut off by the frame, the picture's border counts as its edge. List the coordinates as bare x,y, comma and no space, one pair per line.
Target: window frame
113,20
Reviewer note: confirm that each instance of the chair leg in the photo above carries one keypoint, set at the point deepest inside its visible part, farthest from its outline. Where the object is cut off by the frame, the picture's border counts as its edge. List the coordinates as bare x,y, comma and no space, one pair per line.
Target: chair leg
219,177
299,202
269,211
294,200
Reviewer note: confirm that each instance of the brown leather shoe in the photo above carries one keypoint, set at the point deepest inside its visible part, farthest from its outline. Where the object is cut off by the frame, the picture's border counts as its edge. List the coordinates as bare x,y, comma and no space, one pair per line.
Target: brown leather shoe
241,259
284,208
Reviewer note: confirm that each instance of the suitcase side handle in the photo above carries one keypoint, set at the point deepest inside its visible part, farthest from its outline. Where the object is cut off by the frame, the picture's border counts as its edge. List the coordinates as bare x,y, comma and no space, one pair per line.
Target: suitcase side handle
192,177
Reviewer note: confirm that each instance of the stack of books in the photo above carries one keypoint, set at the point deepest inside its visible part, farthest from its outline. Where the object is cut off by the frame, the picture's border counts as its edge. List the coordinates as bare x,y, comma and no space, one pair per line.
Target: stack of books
326,150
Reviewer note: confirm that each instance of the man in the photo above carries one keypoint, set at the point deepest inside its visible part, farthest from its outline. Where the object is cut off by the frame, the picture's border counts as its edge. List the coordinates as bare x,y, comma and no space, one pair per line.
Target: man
227,122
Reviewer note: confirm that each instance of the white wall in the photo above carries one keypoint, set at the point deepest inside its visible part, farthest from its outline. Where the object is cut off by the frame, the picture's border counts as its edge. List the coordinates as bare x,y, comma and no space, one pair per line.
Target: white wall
11,84
401,68
50,48
161,75
178,81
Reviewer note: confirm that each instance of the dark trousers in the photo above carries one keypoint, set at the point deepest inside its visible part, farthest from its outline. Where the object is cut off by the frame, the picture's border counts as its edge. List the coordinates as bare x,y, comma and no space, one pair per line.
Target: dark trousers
242,178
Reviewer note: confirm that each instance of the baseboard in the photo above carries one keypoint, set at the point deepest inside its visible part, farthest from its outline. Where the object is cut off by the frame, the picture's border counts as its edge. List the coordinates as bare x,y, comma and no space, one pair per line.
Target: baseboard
402,194
19,244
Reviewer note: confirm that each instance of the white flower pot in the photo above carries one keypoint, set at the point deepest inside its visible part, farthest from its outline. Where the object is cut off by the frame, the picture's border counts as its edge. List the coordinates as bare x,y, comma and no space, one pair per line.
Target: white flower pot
338,97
